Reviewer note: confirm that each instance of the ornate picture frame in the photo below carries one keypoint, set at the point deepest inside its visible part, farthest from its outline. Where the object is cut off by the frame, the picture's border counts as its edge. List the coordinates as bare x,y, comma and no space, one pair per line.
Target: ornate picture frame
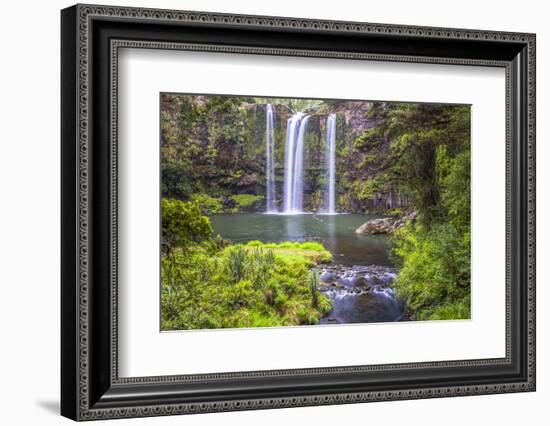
91,37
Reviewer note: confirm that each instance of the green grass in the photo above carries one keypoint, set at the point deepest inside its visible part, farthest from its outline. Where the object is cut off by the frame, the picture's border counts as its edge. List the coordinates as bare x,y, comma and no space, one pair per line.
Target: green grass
312,251
250,285
245,200
214,205
210,283
434,274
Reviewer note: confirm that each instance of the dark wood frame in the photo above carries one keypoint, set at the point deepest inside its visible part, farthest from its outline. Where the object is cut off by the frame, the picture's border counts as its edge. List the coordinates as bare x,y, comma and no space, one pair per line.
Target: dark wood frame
91,37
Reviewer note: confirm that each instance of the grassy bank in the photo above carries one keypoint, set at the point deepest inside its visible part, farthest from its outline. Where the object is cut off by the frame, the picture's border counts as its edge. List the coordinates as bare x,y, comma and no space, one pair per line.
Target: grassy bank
208,283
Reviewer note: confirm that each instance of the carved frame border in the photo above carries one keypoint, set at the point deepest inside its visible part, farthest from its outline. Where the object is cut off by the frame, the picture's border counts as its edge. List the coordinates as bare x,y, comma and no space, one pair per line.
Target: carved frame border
85,13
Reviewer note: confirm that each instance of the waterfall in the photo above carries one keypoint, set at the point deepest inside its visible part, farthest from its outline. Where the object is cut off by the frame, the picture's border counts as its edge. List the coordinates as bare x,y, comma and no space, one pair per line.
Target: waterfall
294,163
298,186
330,191
269,160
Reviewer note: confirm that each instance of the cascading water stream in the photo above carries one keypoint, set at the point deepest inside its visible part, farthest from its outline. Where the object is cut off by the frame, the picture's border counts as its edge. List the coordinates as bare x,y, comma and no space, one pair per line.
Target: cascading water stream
270,160
298,185
330,191
294,164
293,185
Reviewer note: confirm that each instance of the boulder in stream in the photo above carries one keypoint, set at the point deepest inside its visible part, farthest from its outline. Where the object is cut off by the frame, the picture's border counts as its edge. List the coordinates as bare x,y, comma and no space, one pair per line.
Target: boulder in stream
376,226
385,225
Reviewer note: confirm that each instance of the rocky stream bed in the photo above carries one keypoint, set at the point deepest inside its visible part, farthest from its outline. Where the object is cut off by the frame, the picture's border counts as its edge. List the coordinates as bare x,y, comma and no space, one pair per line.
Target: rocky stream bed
360,294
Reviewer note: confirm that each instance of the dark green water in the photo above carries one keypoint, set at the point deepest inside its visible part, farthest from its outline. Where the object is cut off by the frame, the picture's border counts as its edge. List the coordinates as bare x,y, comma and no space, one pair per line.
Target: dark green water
336,232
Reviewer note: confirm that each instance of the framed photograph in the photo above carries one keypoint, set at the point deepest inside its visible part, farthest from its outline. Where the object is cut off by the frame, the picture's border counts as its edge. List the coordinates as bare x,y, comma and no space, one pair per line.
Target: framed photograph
263,212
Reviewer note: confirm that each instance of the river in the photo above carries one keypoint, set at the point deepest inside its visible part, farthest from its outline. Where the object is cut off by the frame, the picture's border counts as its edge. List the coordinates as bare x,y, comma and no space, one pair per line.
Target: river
359,281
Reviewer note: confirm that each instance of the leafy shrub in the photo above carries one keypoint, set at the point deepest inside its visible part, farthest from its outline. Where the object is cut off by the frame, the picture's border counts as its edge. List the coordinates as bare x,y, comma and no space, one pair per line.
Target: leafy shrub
313,283
452,311
252,285
436,271
236,263
434,255
207,203
183,224
325,305
244,201
395,212
214,205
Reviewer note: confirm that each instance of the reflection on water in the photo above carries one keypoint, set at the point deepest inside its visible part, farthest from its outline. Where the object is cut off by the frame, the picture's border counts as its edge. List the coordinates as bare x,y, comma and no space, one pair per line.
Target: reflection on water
336,232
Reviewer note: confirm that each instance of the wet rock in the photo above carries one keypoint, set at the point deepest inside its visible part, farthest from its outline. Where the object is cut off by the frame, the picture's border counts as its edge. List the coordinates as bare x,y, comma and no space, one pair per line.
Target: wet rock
361,282
399,223
346,280
376,226
368,297
343,281
385,225
247,180
228,202
328,276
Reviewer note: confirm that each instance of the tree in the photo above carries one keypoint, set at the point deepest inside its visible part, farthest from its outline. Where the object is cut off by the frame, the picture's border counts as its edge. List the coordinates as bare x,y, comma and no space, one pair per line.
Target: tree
182,225
415,133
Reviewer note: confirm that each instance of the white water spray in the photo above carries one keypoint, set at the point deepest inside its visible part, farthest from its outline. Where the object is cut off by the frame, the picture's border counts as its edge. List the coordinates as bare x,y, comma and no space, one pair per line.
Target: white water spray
294,164
330,191
270,160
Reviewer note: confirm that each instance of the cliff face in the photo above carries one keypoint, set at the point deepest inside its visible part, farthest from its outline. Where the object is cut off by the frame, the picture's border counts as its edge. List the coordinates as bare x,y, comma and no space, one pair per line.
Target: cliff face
216,145
363,158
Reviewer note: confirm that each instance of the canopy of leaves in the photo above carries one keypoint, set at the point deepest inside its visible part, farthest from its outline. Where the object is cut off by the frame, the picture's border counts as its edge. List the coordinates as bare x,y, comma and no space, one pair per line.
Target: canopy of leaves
429,157
183,224
213,155
415,134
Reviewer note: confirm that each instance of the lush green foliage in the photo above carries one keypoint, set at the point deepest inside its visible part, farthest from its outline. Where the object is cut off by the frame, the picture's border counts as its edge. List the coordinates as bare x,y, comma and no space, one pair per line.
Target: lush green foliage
310,250
207,285
391,157
207,145
430,152
207,204
213,151
183,225
232,204
434,279
244,201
